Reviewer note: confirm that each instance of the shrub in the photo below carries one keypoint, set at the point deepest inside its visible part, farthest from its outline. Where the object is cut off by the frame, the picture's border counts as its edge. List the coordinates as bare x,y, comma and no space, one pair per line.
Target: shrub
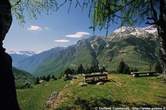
48,78
157,68
103,69
37,80
67,74
123,68
53,77
126,69
80,69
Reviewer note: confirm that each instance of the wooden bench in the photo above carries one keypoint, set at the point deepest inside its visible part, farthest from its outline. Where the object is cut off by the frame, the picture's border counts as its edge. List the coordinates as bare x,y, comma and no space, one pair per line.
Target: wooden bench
147,73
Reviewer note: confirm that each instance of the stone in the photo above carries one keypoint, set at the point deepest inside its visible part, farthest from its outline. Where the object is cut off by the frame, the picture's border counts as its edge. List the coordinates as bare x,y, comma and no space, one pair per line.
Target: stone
100,83
82,84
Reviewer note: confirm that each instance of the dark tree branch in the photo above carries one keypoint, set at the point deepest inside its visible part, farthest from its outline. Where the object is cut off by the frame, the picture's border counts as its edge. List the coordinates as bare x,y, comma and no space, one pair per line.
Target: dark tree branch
17,3
122,7
154,13
63,3
78,3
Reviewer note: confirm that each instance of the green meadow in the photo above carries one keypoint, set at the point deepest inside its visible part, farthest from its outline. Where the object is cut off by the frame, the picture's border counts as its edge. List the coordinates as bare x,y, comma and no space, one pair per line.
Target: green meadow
121,90
36,97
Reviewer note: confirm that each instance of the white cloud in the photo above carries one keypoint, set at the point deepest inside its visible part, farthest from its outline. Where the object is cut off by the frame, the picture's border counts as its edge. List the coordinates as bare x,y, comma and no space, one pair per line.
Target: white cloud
62,41
78,35
37,28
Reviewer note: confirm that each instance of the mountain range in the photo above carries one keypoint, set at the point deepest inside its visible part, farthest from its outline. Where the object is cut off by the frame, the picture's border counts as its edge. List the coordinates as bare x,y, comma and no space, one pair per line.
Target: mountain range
138,47
18,56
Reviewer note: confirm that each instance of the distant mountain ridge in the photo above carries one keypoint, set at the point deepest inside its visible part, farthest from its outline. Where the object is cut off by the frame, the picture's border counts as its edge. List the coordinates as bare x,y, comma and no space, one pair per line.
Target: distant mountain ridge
18,56
25,53
137,46
31,63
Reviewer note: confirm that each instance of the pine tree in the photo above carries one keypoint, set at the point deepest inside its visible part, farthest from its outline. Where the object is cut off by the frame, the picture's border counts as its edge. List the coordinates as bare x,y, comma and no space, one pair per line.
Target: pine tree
67,74
37,80
158,68
103,69
53,77
126,69
80,69
123,68
48,78
87,71
43,78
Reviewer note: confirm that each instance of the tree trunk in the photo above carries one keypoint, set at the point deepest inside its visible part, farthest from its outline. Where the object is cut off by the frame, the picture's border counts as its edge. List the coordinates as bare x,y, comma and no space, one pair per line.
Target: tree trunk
162,34
8,99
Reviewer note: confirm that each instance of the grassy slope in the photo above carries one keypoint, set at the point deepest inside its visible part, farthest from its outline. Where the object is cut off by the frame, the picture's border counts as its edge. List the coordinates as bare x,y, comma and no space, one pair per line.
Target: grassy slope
22,77
71,58
35,98
135,52
122,89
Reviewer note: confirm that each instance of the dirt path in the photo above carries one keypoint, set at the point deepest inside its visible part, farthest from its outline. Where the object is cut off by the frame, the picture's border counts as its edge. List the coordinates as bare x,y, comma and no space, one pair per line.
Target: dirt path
62,96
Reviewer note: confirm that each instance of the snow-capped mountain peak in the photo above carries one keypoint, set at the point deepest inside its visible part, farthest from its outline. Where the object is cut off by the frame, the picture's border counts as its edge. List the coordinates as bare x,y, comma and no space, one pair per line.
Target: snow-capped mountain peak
124,29
150,29
26,53
138,32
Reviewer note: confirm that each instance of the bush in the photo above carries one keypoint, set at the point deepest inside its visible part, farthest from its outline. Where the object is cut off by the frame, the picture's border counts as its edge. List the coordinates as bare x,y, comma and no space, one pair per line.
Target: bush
84,104
80,69
48,78
103,69
123,68
126,69
37,80
157,68
43,78
53,77
67,74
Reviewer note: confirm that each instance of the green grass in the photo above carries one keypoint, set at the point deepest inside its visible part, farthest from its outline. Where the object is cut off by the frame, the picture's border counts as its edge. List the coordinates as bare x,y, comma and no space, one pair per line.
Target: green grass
122,90
35,98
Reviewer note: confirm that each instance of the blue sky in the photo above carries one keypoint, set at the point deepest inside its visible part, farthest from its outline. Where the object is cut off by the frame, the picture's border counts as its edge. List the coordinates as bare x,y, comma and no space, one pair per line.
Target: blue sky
48,31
